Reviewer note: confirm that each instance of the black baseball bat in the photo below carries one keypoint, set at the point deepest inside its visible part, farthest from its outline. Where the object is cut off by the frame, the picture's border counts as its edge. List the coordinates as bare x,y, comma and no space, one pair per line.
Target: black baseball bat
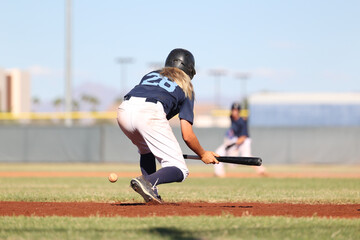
251,161
229,146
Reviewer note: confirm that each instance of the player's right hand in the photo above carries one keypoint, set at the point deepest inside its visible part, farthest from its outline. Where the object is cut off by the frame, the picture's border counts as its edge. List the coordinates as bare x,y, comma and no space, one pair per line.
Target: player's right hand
209,157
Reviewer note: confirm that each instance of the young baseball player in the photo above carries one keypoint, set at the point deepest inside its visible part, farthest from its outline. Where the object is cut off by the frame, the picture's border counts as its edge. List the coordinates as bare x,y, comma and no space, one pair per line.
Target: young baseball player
143,117
237,141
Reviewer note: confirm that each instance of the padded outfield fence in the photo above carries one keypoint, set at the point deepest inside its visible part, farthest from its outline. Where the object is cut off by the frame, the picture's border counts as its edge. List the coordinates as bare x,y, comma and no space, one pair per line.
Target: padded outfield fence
106,143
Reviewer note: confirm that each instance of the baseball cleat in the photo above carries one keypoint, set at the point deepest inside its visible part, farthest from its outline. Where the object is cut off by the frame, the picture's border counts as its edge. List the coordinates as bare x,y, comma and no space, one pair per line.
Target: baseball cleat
144,188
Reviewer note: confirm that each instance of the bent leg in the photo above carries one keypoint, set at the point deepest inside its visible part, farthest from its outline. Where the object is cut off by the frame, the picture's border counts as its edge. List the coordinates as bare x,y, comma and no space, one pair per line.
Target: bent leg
166,175
161,141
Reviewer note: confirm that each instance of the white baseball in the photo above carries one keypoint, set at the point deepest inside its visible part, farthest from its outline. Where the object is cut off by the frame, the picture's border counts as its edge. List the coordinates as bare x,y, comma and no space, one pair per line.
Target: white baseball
113,177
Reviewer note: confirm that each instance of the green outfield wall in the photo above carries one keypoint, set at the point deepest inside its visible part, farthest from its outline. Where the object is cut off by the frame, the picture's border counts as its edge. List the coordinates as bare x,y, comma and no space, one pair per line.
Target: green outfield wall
106,143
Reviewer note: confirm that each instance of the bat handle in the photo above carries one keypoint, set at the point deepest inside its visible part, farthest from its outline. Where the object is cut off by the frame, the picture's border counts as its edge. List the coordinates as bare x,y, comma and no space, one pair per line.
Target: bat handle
188,156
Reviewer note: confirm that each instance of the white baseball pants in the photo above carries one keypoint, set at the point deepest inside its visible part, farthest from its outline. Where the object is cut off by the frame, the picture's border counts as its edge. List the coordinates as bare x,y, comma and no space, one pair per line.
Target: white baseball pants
145,124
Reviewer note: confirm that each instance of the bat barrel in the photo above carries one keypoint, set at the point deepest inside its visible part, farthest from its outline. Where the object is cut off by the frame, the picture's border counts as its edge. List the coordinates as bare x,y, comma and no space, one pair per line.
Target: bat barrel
251,161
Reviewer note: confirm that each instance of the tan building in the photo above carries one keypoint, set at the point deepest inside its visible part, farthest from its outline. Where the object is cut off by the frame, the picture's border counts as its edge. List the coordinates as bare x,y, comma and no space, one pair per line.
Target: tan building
15,89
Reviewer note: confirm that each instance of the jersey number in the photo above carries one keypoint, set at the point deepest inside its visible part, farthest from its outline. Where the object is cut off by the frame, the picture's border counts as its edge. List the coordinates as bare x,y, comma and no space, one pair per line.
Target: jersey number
155,79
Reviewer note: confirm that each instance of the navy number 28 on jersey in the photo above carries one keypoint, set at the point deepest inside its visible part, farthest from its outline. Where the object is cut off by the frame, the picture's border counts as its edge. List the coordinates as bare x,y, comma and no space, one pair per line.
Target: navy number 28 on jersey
155,79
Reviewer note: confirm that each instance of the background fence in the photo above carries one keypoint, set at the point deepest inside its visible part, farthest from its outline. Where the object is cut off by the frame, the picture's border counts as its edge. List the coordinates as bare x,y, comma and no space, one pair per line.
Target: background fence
106,143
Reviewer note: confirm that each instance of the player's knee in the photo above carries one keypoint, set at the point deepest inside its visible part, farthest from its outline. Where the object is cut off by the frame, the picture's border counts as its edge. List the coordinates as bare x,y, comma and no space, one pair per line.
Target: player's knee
177,174
185,172
178,163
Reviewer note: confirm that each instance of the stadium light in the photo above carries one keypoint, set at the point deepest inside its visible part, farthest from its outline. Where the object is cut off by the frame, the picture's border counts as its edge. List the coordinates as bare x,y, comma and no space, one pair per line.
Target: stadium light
68,80
243,79
123,61
217,73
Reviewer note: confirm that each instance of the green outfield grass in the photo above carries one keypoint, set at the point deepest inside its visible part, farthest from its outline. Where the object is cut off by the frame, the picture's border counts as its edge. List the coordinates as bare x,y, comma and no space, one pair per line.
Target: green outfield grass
193,189
99,189
222,227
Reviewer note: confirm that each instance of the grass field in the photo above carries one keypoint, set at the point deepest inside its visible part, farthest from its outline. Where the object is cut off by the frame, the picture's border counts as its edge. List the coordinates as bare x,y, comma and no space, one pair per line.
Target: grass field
255,189
222,227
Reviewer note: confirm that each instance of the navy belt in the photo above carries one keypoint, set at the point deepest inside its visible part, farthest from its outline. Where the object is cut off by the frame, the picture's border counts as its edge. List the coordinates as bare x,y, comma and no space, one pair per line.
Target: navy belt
153,100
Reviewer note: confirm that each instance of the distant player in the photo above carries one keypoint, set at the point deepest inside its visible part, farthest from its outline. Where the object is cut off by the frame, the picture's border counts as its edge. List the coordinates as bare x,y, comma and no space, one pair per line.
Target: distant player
143,117
237,141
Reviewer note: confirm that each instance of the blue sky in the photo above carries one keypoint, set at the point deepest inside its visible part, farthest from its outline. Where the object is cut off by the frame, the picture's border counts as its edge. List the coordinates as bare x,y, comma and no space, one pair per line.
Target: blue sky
284,46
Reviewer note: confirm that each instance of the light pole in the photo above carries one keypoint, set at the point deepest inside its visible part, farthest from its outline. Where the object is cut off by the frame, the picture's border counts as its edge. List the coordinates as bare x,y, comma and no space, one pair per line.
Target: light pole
123,61
217,73
243,77
68,80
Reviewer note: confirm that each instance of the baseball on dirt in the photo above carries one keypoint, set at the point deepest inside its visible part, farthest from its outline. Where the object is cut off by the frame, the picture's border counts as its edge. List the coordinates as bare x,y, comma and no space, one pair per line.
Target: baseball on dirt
113,177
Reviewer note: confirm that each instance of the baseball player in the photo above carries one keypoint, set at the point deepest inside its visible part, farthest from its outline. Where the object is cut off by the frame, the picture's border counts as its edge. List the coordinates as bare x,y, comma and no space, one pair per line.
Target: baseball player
143,117
237,141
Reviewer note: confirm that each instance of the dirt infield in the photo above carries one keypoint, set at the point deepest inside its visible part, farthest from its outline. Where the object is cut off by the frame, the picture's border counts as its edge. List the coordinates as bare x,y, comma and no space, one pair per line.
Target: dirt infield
86,209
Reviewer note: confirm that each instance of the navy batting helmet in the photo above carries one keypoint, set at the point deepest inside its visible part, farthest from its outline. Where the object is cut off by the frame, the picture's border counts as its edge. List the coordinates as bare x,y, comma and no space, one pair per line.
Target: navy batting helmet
182,59
236,105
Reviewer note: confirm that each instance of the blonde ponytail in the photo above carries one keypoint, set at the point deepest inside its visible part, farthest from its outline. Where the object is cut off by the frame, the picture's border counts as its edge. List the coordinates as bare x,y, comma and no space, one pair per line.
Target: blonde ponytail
181,78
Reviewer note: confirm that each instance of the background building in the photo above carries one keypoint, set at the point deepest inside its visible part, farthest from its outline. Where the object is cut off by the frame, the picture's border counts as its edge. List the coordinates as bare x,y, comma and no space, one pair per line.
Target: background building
15,86
305,109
